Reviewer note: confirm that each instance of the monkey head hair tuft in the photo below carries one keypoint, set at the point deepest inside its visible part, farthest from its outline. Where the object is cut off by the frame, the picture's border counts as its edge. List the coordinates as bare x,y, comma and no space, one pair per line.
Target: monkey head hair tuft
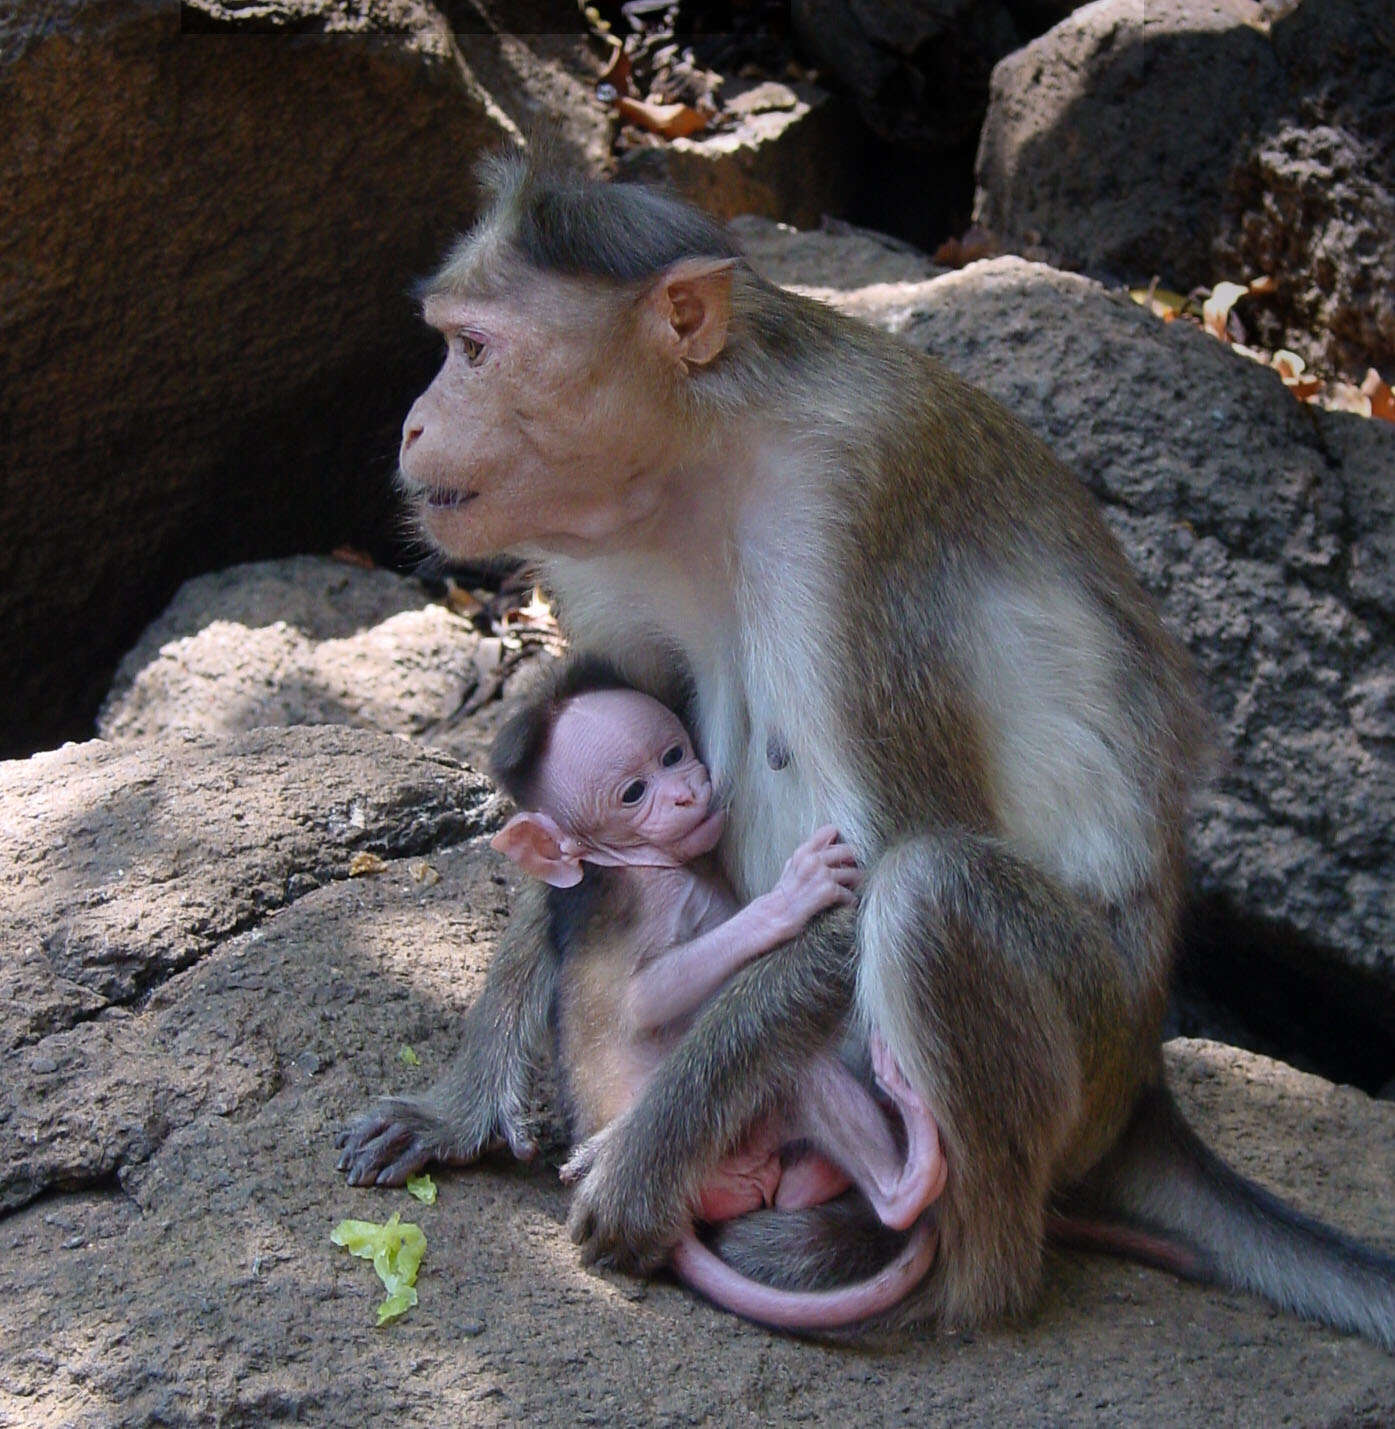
560,221
521,743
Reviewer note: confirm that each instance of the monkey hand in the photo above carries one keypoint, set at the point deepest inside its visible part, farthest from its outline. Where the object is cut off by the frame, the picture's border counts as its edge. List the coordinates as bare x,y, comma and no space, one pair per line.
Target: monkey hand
620,1216
821,873
400,1135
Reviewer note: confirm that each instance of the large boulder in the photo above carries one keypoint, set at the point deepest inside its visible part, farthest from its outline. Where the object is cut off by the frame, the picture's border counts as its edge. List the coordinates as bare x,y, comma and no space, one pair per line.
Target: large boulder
206,338
312,640
167,1157
1206,139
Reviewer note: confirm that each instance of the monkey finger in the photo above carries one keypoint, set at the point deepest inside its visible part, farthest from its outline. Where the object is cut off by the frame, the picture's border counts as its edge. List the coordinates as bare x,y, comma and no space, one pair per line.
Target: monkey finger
413,1159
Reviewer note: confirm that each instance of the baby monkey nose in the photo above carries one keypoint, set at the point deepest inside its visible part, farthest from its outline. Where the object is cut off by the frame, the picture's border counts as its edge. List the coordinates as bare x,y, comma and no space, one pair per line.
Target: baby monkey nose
410,432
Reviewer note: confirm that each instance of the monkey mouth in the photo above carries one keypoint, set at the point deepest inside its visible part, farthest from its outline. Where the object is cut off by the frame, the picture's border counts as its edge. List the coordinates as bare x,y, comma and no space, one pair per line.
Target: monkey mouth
440,498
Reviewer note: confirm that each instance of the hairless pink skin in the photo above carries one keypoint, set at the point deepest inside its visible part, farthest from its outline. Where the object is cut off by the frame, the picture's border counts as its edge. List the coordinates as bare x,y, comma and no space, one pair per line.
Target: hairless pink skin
619,785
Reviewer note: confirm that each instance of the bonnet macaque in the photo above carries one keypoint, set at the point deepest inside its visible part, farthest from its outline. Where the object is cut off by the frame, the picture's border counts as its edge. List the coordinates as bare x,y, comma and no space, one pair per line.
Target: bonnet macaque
615,796
880,603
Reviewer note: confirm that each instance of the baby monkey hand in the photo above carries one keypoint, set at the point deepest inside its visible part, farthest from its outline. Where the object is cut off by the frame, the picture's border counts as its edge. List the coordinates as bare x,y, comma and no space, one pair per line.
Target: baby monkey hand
821,873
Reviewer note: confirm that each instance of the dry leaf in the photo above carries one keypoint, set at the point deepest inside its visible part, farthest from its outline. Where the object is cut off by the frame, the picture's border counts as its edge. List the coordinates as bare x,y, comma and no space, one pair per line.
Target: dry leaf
1216,309
975,243
1288,364
1161,302
672,121
363,864
1344,397
617,72
352,556
1377,389
423,873
462,601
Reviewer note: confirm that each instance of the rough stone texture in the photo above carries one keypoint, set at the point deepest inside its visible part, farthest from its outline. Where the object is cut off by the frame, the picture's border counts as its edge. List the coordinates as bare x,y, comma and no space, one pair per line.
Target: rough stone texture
836,260
128,863
1209,139
206,341
171,1164
919,69
536,61
791,154
1267,531
311,640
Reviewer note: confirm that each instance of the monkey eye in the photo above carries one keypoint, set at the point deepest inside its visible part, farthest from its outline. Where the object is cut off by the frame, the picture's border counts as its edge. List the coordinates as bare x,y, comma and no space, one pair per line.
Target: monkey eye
633,792
472,347
672,756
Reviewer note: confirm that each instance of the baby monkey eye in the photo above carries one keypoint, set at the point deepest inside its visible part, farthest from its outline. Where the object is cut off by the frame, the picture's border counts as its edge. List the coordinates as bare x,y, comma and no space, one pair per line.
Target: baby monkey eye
672,756
633,792
472,347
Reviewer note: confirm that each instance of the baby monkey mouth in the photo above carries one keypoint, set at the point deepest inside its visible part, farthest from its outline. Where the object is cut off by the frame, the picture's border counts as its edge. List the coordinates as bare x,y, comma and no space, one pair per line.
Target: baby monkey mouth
440,498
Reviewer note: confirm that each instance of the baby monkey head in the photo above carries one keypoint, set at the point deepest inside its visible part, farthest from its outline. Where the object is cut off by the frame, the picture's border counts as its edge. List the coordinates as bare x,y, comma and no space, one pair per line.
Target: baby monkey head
608,776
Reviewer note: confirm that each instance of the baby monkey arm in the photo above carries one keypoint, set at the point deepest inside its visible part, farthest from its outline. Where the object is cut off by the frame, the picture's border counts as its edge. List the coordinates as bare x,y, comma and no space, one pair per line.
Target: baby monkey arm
821,873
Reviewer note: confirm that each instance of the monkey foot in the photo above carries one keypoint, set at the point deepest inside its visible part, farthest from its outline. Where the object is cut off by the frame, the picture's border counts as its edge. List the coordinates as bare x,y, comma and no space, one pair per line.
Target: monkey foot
922,1178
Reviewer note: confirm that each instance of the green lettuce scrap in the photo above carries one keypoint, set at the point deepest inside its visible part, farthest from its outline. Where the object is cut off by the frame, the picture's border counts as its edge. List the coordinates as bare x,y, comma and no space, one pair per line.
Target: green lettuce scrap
423,1188
396,1249
407,1057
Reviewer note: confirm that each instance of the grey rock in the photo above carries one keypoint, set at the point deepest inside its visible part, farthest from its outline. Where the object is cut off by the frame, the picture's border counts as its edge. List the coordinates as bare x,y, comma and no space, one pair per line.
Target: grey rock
1208,139
310,640
787,152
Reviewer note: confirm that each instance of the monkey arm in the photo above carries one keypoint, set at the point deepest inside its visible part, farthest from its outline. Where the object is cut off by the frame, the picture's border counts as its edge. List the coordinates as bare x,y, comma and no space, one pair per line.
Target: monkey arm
740,1059
483,1099
681,979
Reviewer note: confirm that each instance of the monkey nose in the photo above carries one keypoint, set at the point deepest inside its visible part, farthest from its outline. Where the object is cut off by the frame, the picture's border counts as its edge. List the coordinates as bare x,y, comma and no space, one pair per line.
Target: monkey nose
410,432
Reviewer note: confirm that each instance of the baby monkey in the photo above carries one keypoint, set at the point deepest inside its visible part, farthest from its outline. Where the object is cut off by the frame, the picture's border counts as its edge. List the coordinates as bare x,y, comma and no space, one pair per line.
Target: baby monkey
607,777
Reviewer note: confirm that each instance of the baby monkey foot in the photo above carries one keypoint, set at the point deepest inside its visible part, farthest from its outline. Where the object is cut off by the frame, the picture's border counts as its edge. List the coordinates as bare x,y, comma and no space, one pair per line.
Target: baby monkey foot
922,1176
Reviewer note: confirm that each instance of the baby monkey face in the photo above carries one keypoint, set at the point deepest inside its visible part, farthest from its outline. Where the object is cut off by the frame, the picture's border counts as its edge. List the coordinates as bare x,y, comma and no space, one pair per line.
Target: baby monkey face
622,772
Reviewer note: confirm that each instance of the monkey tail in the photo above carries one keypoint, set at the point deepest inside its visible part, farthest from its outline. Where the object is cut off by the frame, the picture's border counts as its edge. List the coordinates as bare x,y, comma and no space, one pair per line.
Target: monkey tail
706,1272
1163,1197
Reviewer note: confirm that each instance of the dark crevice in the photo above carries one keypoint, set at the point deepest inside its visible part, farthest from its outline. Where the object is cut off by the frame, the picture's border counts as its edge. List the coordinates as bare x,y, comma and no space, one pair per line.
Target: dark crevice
17,1196
1264,988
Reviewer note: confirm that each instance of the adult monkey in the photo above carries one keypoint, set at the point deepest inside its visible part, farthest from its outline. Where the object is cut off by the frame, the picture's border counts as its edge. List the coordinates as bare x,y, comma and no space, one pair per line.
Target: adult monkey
882,604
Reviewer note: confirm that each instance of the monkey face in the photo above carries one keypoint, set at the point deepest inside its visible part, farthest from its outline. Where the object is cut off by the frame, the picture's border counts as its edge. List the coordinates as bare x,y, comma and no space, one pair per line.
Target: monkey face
538,432
621,774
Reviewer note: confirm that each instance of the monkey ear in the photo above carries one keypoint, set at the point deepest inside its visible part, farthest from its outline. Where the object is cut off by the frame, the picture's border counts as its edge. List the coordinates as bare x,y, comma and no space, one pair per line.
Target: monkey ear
691,303
538,846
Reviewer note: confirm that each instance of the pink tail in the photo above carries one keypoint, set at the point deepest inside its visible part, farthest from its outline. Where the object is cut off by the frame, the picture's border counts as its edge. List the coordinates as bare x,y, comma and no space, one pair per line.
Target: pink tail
711,1276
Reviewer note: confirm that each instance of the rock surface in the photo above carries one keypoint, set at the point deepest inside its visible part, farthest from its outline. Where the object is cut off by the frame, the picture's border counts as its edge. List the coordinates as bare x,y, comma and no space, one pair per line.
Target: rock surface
205,327
1202,140
312,640
170,1160
789,153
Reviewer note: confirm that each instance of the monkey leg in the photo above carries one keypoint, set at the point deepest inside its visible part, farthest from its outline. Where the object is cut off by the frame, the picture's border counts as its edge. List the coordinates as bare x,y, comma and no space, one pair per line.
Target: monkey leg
739,1061
483,1100
839,1116
1001,999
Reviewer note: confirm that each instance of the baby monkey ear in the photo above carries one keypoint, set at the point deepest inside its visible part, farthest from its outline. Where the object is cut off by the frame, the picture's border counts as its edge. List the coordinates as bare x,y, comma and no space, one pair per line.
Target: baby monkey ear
690,308
538,846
